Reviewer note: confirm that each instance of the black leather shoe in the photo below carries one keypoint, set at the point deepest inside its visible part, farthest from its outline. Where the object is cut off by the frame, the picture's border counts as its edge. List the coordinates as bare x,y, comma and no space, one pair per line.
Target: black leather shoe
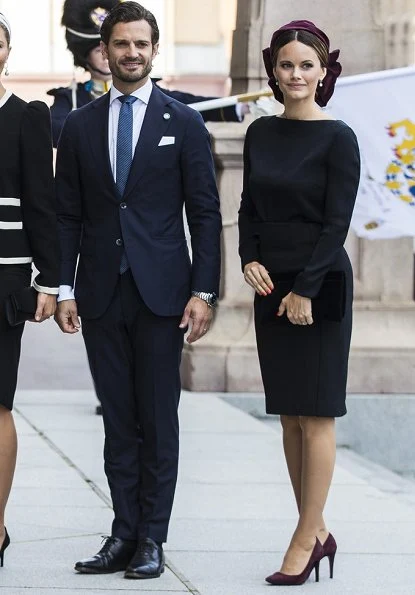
115,555
148,561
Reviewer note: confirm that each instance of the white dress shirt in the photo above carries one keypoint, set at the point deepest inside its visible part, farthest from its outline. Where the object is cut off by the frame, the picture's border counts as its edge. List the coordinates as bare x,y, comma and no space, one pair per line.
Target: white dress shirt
139,111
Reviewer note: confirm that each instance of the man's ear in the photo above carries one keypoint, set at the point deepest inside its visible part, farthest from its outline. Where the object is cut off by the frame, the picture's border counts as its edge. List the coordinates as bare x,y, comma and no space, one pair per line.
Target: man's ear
155,50
104,49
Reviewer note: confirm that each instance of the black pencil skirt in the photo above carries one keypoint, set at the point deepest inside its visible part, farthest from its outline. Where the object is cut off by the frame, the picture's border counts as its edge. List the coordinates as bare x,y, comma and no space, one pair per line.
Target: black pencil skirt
304,368
12,278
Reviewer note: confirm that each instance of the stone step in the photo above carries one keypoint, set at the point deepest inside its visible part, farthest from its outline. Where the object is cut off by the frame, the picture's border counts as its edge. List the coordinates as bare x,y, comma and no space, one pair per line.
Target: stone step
384,325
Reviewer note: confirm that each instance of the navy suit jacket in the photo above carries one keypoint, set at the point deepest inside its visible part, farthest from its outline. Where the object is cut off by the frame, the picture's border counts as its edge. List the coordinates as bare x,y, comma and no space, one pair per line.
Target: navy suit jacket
97,224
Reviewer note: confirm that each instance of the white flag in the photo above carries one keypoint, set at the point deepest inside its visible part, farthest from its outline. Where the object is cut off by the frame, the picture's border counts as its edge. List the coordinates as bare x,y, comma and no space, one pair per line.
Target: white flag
380,108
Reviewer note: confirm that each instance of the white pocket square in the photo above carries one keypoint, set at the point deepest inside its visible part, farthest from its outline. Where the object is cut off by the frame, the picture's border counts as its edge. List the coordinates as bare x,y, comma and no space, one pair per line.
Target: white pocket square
166,140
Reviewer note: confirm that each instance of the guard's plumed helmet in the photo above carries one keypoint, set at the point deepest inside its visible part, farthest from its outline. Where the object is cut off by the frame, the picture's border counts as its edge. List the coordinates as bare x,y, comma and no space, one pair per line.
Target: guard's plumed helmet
83,20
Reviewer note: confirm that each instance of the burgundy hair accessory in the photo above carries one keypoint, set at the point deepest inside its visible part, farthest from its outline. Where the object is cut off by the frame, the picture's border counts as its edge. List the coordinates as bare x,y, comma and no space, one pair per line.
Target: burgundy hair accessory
334,68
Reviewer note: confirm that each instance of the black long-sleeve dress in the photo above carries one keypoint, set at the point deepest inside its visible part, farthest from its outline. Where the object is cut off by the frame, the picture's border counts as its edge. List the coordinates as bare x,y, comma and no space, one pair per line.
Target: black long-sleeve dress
300,184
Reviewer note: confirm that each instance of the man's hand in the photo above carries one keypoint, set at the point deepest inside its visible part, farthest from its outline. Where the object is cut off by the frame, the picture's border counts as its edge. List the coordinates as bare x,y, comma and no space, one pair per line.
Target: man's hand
298,309
256,275
245,108
46,306
67,317
200,314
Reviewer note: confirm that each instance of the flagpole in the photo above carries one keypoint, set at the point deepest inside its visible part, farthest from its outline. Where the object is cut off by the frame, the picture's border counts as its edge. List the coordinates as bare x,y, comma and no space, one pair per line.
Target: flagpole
202,106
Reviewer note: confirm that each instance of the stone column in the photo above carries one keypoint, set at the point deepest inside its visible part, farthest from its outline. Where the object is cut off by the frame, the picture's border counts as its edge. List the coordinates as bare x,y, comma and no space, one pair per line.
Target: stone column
247,72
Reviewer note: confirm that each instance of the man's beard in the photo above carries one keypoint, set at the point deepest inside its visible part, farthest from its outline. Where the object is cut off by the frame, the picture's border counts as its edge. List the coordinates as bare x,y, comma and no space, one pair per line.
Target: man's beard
132,77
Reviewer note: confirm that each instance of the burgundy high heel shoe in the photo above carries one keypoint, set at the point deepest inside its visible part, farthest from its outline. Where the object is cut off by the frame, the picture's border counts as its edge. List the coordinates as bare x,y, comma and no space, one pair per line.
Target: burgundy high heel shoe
5,544
329,551
279,578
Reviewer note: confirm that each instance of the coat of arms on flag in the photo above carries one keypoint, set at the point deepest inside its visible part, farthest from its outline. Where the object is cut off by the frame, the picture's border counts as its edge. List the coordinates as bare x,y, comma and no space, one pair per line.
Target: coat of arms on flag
379,108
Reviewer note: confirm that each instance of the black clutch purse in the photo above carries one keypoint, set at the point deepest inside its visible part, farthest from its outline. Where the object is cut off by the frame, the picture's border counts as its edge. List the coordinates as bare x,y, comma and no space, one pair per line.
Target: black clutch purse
21,306
329,304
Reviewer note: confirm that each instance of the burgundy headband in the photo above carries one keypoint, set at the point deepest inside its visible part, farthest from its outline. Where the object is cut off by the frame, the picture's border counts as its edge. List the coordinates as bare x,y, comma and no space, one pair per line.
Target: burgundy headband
334,68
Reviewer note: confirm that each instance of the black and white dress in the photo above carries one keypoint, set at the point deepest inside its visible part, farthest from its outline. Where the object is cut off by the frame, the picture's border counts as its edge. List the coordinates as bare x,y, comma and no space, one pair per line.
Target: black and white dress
28,229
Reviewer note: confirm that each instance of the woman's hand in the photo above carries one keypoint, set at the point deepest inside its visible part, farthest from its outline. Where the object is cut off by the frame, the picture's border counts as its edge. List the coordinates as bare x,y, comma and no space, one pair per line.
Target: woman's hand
298,309
46,306
257,277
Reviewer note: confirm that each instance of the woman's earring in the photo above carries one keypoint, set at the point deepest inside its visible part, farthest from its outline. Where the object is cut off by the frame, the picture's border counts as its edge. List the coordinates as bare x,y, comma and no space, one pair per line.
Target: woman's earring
276,82
6,72
320,83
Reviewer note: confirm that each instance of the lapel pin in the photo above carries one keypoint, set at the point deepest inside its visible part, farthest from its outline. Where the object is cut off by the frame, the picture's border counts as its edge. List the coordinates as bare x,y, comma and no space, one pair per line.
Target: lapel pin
166,116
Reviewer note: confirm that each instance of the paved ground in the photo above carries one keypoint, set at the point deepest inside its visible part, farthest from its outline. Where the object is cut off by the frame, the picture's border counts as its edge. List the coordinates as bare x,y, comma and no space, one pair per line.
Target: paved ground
233,514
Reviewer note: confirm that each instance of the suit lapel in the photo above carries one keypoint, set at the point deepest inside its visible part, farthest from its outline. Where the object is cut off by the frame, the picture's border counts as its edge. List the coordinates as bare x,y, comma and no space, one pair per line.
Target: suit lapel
156,121
97,127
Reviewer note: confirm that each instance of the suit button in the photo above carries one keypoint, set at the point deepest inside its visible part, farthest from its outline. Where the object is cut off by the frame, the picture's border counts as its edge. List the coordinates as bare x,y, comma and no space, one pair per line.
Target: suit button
123,205
118,242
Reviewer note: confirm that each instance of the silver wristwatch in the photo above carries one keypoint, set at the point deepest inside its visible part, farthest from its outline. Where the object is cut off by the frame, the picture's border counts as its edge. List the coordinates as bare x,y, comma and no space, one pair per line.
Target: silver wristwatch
209,298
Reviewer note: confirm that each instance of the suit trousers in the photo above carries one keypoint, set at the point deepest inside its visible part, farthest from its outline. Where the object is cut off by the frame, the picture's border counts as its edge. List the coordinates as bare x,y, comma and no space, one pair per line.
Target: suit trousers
134,357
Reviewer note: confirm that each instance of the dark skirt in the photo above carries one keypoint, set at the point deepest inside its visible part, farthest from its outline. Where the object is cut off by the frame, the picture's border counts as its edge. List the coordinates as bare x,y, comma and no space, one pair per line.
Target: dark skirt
12,278
304,368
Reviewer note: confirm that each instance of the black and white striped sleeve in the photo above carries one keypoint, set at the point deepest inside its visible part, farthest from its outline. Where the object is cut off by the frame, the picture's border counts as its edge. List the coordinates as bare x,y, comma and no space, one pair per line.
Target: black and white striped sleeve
38,198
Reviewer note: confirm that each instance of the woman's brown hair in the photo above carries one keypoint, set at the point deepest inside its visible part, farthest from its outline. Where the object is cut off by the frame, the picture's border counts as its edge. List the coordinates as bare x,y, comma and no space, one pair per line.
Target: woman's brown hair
304,37
6,32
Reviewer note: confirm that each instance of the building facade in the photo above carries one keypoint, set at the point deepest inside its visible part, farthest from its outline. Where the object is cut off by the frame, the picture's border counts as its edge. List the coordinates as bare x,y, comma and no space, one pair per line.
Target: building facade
398,17
195,42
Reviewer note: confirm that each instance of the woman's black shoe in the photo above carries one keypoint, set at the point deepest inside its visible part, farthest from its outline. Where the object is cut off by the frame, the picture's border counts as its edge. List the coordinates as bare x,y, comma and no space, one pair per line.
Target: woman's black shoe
5,544
114,556
148,561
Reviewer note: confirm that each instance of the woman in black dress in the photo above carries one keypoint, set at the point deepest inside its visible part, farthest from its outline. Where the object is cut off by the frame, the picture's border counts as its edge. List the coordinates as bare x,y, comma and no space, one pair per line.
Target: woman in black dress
301,173
27,233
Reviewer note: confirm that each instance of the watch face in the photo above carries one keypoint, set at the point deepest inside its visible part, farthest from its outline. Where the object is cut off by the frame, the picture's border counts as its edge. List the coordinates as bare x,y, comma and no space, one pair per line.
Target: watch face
213,299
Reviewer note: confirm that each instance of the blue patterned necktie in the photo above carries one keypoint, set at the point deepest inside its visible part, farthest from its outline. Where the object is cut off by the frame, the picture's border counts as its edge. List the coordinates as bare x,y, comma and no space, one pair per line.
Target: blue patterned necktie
124,152
124,141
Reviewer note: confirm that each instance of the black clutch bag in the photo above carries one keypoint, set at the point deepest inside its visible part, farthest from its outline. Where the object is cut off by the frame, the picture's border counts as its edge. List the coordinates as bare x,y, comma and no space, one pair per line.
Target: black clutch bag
329,304
21,306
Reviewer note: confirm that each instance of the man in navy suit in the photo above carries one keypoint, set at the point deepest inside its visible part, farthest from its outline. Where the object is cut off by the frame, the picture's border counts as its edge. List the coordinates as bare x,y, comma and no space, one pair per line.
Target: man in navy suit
126,165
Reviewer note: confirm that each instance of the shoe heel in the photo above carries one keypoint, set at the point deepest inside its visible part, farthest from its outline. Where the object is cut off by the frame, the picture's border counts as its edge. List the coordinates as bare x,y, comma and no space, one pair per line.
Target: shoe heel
317,571
5,544
331,563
